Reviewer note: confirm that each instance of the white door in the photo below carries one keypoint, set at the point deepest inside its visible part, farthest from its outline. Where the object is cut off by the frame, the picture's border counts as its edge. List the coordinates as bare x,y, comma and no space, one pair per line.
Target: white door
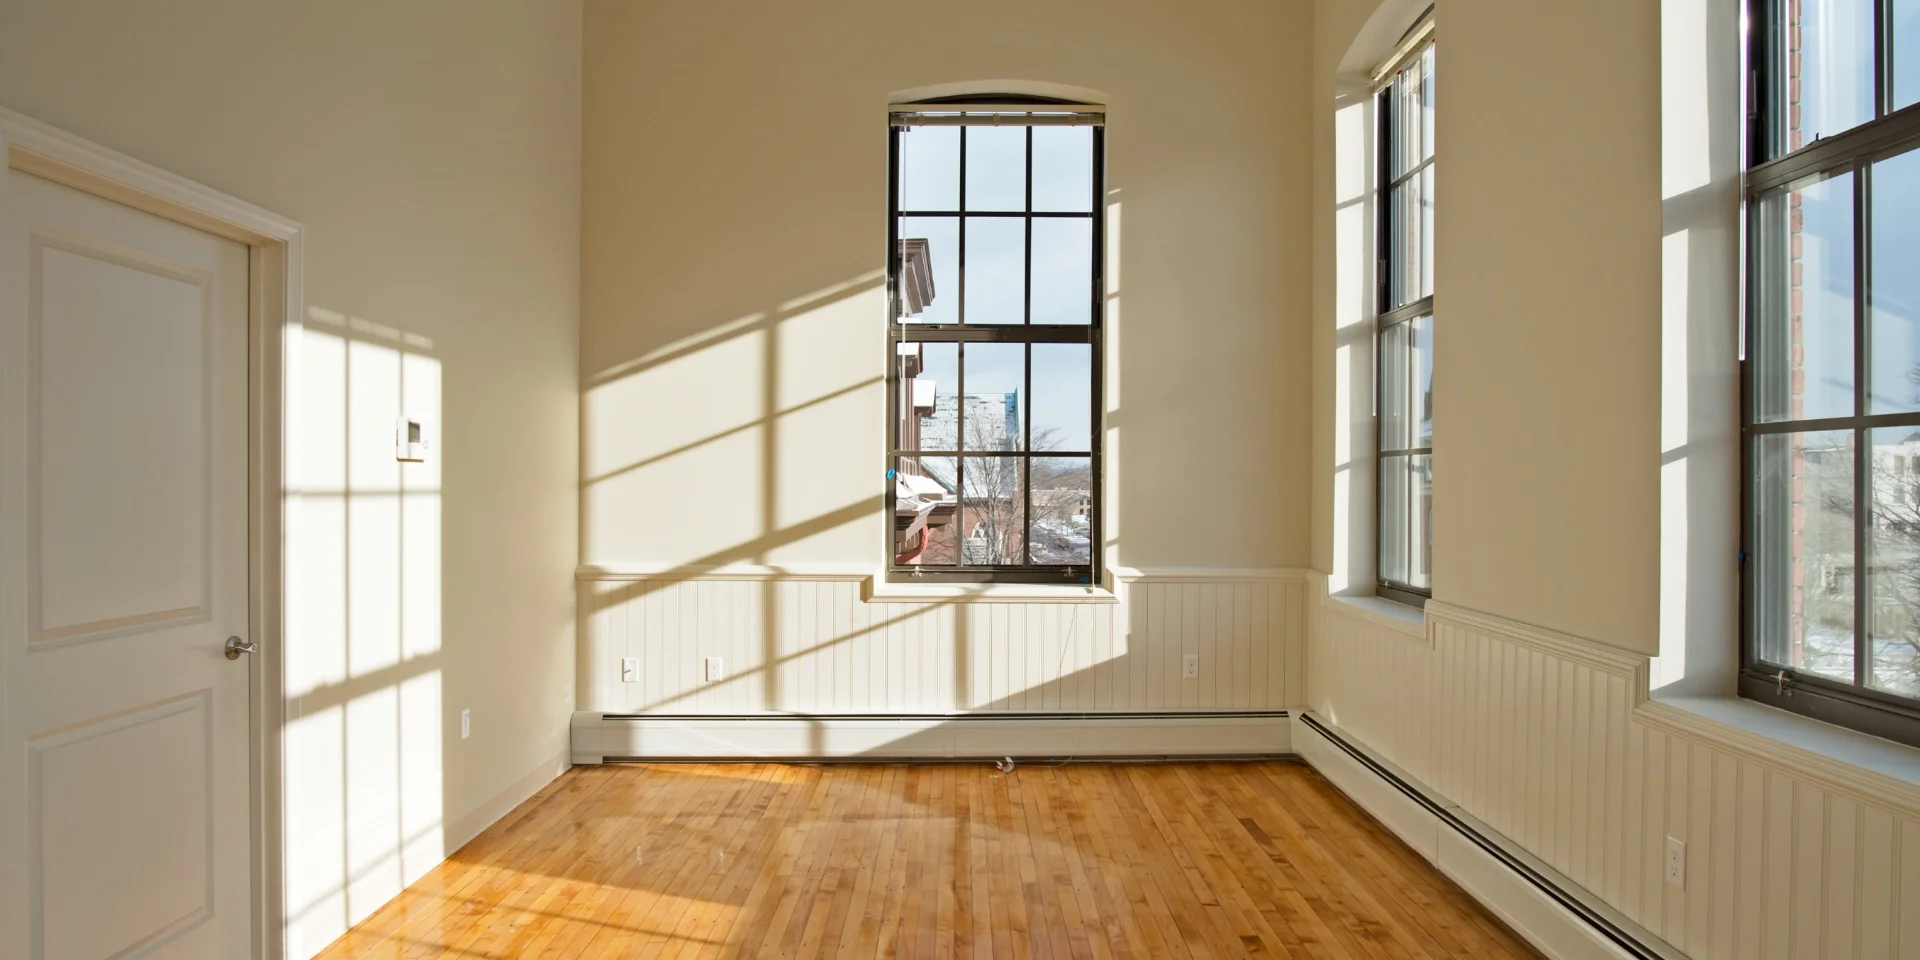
127,827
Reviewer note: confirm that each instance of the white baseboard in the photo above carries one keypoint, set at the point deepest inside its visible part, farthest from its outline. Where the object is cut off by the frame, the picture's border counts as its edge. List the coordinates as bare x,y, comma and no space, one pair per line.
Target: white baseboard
599,737
1541,905
462,830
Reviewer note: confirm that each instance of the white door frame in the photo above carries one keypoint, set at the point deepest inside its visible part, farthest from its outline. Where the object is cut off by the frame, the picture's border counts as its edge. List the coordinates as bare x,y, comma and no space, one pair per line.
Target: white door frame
273,319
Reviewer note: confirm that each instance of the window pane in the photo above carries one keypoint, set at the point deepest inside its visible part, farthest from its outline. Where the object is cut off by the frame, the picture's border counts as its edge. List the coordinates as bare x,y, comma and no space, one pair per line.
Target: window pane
1063,169
1426,103
1062,397
993,510
1802,543
1419,521
942,235
1905,27
1894,380
1828,67
1394,403
1062,270
925,508
1426,230
1412,115
996,258
1393,518
1803,263
996,168
930,168
1062,511
1411,267
1893,558
929,384
1422,398
996,376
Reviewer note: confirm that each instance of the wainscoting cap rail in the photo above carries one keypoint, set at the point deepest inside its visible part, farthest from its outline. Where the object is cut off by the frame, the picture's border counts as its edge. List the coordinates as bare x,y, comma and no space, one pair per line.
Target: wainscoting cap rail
1835,774
1565,646
1887,791
1212,574
726,571
854,571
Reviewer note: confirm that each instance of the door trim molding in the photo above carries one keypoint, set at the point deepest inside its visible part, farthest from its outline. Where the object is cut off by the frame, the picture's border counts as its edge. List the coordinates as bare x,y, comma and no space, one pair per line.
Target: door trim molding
274,245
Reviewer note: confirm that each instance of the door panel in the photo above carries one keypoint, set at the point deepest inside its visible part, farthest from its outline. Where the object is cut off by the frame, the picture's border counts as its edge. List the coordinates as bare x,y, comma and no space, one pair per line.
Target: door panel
122,473
127,824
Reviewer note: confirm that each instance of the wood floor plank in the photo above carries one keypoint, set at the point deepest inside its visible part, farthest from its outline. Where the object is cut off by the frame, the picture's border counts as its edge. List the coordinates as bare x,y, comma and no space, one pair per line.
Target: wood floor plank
1075,862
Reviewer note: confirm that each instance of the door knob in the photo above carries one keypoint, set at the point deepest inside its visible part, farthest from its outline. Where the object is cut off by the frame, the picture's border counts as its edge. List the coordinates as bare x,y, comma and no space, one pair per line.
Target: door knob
235,647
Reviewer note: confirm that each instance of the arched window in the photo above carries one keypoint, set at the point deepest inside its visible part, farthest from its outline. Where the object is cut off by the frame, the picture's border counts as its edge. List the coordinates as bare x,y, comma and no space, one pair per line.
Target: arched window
994,340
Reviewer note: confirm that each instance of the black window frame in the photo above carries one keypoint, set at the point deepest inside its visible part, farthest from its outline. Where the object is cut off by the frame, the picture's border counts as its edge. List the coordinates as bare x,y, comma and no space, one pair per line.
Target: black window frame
1387,316
1026,332
1772,166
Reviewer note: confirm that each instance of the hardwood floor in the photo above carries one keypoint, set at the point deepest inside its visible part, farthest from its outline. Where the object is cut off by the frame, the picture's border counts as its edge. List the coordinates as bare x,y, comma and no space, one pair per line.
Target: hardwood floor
937,860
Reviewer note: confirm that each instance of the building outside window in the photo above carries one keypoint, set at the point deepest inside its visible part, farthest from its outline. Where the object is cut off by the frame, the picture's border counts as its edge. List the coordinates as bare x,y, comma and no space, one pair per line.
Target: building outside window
994,339
1404,375
1831,365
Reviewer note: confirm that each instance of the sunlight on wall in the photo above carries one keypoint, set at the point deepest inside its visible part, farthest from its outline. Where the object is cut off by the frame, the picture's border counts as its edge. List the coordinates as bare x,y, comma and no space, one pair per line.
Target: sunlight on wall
1353,352
1671,664
1110,267
364,734
1685,124
776,457
1340,579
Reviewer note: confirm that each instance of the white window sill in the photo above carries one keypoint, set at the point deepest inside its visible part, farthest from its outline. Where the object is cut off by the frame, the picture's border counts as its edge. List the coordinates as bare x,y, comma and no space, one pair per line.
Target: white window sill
1394,616
1872,769
879,590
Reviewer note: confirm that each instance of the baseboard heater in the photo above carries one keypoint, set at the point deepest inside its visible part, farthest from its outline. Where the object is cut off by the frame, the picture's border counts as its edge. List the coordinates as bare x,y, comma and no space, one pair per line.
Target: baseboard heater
1613,935
614,738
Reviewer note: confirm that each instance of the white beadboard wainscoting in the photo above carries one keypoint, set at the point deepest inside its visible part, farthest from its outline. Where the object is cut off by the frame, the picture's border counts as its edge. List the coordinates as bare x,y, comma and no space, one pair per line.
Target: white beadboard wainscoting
1552,744
821,648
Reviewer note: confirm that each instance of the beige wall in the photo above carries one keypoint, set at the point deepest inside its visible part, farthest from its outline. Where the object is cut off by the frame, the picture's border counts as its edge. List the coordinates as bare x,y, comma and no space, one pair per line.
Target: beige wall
1547,327
732,348
431,149
1548,299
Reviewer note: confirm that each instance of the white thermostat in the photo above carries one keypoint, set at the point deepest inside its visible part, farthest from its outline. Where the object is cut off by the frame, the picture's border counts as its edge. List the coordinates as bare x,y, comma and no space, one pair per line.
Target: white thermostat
409,443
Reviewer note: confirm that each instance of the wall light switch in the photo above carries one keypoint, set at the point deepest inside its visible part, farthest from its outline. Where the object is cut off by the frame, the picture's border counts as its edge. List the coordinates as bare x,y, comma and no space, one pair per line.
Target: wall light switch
716,670
466,724
629,670
409,441
1676,863
1190,666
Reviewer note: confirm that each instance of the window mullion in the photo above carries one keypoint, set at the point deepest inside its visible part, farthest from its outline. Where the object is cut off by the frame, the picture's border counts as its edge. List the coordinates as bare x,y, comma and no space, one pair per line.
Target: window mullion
1862,435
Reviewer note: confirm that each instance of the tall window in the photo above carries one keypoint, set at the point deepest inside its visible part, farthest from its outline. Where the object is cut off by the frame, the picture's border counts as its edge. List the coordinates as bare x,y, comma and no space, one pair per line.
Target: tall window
1831,365
1404,377
994,341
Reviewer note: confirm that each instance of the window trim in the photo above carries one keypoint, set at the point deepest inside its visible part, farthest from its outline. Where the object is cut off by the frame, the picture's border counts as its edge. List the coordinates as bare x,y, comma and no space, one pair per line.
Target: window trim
1094,573
1386,315
1854,151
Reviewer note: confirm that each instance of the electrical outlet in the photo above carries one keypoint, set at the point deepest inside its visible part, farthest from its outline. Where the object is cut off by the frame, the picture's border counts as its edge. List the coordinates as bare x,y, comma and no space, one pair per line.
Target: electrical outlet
1190,666
629,669
466,724
1676,863
716,669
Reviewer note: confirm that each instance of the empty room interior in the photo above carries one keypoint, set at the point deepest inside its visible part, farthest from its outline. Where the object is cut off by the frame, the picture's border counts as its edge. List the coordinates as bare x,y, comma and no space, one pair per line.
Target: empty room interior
736,478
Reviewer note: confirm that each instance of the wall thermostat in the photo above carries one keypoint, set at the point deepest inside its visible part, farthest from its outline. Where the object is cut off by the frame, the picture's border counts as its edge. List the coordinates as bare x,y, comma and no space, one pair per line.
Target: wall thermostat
409,445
